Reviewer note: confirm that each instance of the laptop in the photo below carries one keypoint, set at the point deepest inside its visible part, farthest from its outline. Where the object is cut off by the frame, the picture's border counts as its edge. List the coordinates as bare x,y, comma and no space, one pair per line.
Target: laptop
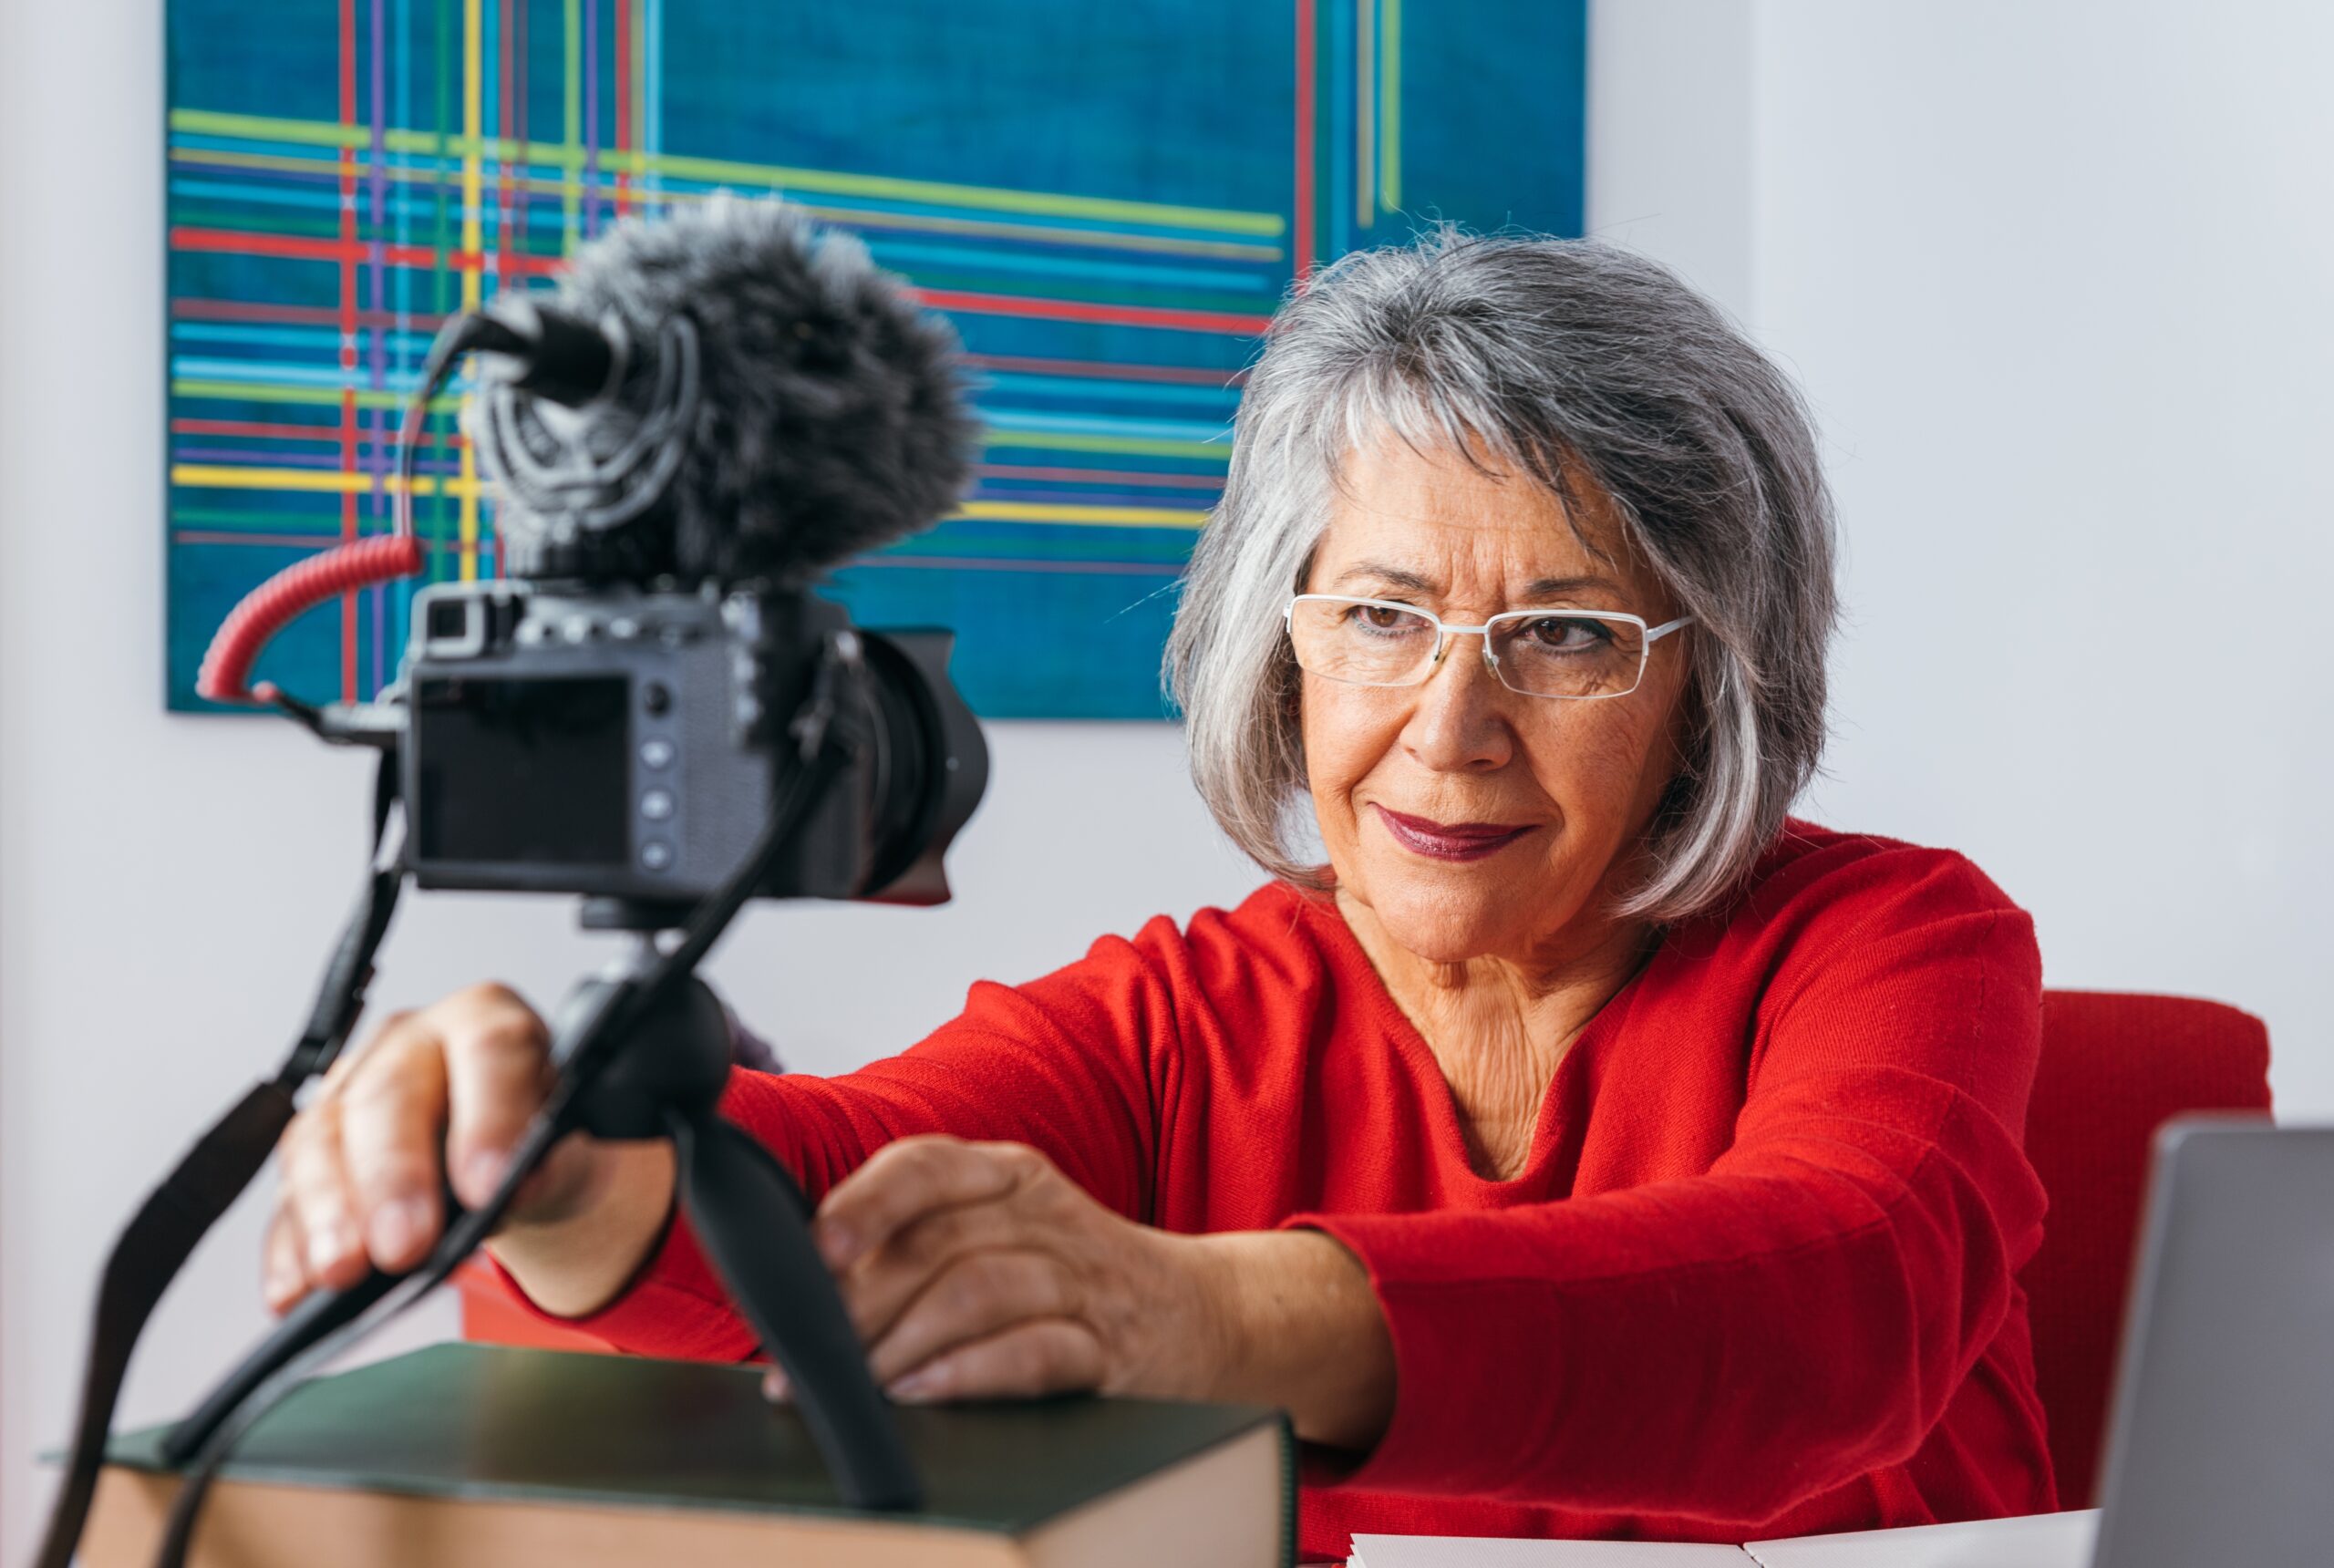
2221,1441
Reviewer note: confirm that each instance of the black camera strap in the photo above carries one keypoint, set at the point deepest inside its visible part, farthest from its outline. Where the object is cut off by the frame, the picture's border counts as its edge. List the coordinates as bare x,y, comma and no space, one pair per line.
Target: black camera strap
177,1214
735,1188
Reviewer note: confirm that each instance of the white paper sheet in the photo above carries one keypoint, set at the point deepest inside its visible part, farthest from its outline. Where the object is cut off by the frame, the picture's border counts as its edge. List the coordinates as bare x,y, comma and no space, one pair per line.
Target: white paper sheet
2042,1541
2037,1541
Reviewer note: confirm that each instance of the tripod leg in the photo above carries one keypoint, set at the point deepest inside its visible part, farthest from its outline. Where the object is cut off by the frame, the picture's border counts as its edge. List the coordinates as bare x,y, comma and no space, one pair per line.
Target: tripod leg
752,1220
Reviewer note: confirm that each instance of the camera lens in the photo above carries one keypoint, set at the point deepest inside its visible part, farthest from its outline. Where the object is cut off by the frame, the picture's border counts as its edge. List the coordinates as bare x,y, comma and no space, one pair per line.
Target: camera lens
926,764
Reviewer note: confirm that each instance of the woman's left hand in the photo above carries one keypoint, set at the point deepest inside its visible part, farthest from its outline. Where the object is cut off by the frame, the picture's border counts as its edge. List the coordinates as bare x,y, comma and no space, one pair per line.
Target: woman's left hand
979,1270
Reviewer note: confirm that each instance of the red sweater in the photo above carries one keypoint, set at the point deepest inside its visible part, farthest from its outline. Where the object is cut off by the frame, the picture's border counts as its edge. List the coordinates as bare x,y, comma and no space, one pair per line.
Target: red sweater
1756,1278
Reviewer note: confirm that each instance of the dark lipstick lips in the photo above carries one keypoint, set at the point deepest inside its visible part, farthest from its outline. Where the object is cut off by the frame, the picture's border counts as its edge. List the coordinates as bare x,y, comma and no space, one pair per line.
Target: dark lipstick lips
1448,840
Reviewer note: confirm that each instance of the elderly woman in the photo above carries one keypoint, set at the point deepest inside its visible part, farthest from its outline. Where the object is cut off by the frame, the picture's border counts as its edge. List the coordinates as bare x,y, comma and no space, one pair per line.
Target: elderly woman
1572,1144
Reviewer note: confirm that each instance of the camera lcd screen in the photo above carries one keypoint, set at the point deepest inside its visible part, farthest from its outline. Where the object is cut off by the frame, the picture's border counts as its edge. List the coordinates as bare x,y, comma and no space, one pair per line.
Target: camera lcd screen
535,771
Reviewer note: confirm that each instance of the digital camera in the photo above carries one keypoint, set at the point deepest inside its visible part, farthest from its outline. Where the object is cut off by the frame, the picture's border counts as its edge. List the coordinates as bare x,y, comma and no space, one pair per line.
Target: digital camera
629,743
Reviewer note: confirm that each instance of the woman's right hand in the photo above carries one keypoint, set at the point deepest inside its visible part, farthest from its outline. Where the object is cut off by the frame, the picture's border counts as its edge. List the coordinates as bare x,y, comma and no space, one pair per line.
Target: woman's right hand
443,1094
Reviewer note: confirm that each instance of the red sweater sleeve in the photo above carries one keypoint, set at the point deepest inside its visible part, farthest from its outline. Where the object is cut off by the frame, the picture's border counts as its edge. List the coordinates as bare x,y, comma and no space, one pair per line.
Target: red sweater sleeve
1732,1342
1073,1064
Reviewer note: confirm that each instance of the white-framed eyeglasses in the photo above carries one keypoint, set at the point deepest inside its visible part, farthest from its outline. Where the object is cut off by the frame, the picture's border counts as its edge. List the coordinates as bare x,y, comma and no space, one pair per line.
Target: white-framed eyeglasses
1572,654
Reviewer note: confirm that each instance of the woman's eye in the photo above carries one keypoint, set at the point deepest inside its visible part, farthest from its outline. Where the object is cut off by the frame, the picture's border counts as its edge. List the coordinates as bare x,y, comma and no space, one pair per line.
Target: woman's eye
1381,618
1567,634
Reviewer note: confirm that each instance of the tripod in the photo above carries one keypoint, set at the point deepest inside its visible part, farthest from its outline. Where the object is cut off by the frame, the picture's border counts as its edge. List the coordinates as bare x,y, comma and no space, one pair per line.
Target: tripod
642,1052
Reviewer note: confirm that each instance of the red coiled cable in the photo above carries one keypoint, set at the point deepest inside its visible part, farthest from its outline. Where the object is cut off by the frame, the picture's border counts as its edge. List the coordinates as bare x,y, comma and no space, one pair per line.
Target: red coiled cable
269,607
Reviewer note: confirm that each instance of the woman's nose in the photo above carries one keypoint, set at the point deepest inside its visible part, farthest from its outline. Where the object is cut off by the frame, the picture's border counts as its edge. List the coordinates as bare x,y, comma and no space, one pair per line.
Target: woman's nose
1461,722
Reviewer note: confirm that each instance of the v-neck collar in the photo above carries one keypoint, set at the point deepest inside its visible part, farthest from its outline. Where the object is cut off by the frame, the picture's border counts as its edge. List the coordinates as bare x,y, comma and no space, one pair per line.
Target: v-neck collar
1362,981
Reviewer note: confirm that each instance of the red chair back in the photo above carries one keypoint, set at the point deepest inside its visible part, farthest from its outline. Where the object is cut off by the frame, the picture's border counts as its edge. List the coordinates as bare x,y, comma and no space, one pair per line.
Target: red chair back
2114,1068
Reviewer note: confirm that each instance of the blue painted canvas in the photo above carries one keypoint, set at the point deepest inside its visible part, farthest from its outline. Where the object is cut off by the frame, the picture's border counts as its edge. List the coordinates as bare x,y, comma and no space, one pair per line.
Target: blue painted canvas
1107,199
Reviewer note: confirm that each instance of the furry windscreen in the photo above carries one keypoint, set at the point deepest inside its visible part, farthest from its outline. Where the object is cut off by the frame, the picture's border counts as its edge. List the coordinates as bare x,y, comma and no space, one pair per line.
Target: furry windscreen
831,419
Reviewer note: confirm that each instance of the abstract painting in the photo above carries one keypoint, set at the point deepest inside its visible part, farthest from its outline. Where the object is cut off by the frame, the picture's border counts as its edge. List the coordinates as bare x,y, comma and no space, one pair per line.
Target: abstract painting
1109,202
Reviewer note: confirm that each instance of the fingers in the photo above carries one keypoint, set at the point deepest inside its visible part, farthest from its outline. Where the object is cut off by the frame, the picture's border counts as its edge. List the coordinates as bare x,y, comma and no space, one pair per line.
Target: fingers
883,1283
316,1194
908,1179
972,1299
946,1254
389,1114
362,1166
1026,1361
497,1077
284,1279
1048,1355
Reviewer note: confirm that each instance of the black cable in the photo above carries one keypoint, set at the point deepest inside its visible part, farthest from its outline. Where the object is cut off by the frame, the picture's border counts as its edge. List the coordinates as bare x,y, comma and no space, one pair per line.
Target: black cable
458,336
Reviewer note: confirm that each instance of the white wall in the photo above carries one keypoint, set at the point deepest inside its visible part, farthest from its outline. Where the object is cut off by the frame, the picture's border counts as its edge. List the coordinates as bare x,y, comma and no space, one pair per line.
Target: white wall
2060,279
1670,146
2055,275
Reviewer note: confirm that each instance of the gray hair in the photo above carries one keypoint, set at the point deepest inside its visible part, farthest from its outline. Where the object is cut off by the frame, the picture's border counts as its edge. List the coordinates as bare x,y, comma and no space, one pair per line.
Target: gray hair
1573,363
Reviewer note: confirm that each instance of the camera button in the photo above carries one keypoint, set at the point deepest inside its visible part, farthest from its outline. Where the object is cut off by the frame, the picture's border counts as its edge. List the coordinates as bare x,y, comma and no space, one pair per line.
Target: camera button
656,805
657,854
657,698
657,753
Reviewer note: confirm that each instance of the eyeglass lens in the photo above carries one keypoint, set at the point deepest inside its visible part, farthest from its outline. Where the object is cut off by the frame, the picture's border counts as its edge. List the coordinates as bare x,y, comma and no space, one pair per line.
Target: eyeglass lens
1562,653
